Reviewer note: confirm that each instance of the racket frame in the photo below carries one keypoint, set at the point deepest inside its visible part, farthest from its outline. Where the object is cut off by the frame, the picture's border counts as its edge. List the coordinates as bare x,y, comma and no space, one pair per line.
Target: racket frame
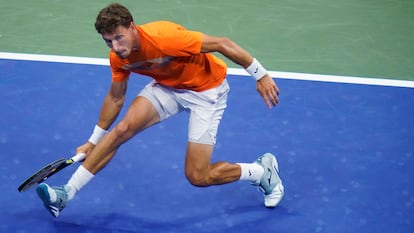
49,170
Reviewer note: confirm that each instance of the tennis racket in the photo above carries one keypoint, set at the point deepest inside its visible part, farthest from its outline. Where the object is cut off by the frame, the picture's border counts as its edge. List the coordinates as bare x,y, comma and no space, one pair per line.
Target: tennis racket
49,170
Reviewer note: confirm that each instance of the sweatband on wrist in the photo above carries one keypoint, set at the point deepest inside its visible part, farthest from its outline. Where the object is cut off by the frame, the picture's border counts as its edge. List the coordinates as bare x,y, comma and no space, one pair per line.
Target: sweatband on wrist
97,134
256,70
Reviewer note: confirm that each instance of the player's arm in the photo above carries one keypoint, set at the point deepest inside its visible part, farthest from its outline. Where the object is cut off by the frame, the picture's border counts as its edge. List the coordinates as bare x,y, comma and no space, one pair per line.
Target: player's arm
112,104
266,86
110,110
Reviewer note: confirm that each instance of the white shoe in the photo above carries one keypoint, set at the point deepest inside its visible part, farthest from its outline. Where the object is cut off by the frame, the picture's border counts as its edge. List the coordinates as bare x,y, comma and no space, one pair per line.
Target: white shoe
270,183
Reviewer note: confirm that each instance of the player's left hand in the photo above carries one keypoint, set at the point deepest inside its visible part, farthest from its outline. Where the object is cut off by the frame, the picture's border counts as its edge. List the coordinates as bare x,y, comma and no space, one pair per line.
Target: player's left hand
269,91
85,148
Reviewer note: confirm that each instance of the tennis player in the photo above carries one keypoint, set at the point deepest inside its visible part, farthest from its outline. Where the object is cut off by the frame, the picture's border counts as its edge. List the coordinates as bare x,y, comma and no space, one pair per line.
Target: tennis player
186,77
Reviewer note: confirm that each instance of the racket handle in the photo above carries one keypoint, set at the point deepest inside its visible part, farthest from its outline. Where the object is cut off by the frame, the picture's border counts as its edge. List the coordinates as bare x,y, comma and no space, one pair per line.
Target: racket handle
78,157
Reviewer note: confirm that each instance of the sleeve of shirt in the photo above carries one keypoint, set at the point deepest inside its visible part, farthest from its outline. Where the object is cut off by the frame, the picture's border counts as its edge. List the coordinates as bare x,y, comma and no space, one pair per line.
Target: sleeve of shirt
118,73
180,42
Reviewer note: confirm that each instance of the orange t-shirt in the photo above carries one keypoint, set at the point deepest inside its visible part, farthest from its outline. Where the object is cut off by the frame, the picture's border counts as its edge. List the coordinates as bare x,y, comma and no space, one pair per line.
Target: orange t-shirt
170,54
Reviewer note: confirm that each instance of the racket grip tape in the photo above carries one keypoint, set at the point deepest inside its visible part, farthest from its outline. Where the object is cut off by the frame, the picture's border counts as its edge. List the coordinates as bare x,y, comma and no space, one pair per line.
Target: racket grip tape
78,157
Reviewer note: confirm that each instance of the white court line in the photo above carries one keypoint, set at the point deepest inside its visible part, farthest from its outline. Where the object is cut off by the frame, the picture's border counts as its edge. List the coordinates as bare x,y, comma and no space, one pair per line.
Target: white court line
233,71
54,58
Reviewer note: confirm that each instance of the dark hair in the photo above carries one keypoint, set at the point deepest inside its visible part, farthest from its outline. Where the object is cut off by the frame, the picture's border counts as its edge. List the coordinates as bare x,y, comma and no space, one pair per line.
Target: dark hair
111,17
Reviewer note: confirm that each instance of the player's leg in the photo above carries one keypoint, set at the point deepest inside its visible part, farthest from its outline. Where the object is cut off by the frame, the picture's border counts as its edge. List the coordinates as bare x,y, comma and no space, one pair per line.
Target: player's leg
207,109
200,172
262,173
140,115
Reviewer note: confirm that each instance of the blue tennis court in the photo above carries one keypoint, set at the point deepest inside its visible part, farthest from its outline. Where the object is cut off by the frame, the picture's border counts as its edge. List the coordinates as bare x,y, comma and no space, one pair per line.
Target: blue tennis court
345,151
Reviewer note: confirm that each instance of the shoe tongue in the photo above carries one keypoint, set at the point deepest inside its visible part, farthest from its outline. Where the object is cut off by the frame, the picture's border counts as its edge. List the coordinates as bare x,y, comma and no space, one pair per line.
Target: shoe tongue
52,194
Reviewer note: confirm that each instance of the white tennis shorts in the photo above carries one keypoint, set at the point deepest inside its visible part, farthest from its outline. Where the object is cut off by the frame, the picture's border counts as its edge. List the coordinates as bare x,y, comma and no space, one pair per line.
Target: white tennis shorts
206,108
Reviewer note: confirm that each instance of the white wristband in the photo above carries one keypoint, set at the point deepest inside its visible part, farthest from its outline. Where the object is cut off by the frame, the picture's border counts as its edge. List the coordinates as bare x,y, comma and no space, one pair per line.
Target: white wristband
256,70
97,134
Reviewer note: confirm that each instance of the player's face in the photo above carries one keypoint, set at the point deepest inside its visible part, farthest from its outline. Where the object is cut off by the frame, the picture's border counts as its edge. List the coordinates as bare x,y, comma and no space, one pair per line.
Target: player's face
121,41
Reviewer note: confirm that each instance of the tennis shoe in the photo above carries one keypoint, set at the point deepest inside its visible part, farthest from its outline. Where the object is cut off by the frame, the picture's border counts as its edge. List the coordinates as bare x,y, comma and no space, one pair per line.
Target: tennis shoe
270,183
45,192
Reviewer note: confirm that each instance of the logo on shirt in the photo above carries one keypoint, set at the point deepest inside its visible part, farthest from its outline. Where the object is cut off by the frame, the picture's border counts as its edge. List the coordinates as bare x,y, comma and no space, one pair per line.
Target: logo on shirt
149,64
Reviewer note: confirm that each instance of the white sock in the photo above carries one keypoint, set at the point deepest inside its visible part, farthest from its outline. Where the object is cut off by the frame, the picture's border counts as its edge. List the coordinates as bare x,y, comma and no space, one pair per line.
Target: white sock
251,171
79,179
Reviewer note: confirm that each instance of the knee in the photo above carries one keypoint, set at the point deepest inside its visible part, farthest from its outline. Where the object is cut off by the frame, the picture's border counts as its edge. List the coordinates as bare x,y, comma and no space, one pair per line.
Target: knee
123,131
197,178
